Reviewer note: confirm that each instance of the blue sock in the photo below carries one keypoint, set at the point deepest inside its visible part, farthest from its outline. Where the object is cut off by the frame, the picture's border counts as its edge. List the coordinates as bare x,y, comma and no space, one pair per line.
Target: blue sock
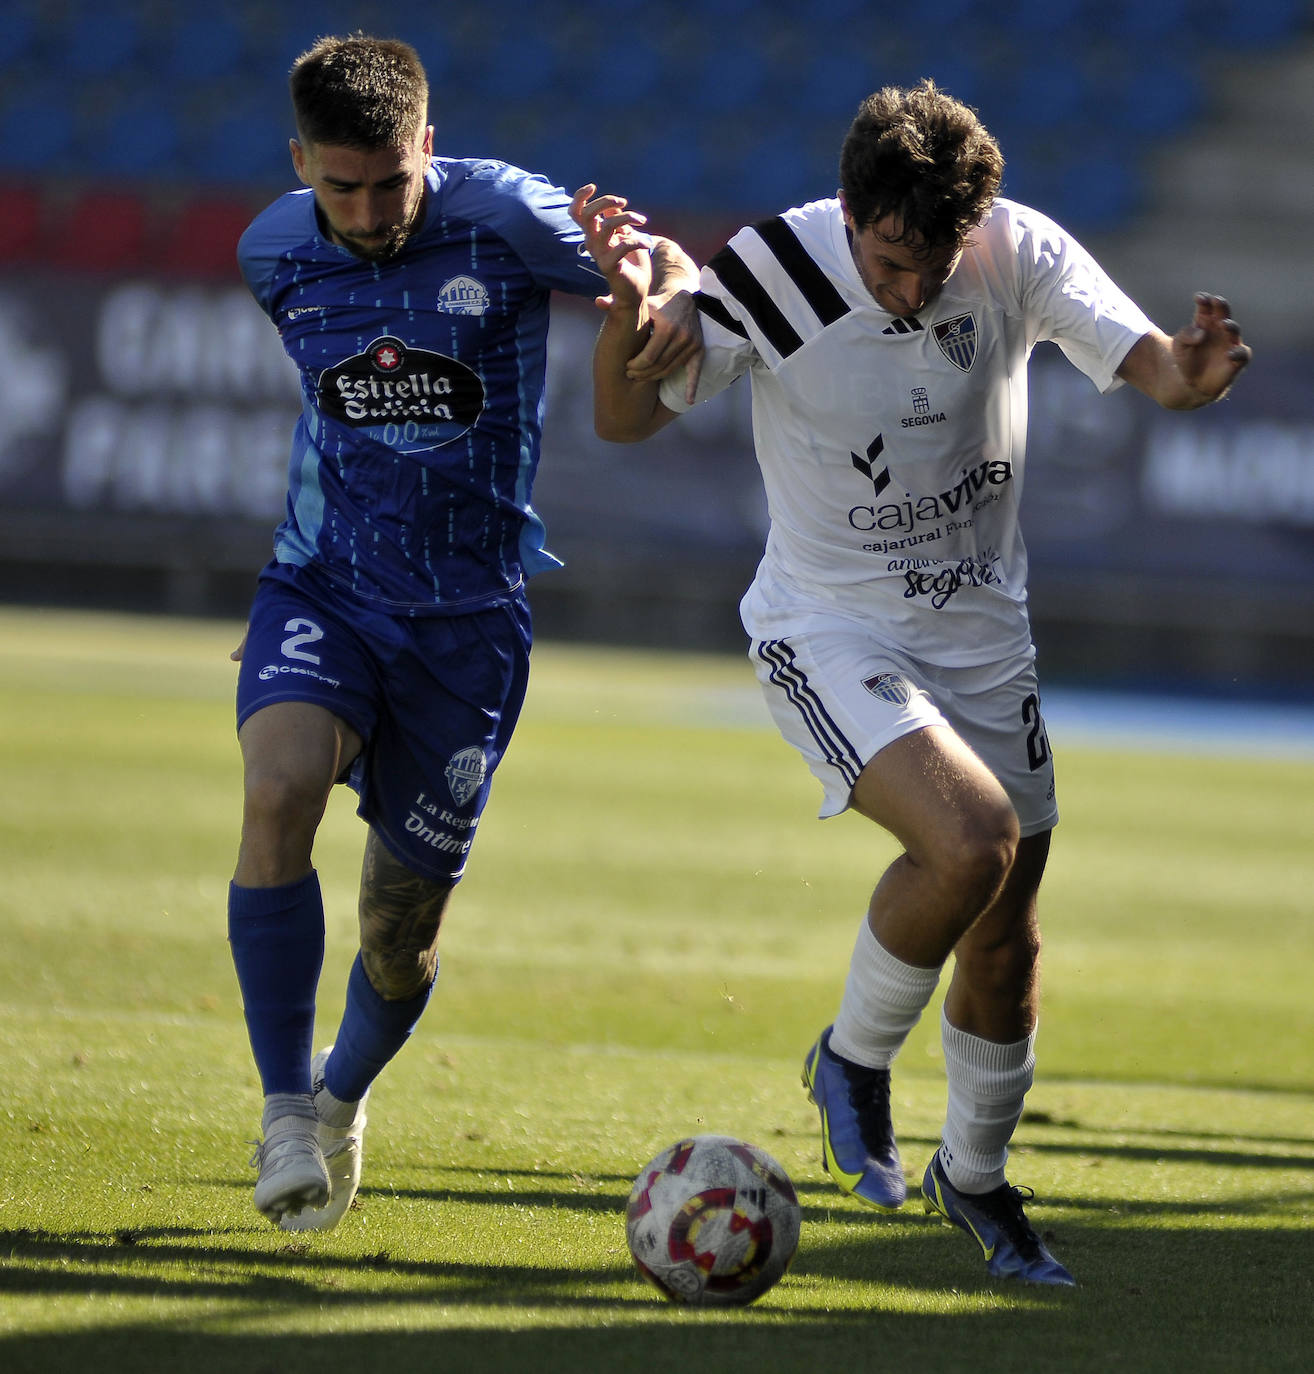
277,939
372,1031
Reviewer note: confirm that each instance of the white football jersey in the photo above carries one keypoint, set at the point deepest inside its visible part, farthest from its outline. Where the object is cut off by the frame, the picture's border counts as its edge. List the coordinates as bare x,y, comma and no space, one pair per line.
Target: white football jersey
892,449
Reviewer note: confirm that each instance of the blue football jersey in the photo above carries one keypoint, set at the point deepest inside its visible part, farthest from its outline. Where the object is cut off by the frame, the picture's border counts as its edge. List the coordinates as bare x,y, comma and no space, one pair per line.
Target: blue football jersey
422,379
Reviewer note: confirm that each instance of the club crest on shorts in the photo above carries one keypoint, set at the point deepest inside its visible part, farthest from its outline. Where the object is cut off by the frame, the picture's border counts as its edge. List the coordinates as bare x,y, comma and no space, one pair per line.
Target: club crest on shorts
957,340
465,773
889,687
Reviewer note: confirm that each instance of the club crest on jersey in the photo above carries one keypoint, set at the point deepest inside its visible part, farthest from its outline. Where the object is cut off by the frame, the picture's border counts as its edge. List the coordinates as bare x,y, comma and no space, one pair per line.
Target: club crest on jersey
889,687
957,340
463,296
465,773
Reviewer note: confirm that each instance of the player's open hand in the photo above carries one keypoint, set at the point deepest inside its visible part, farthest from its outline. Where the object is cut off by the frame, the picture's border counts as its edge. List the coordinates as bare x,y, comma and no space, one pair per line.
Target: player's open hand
1208,352
615,241
676,341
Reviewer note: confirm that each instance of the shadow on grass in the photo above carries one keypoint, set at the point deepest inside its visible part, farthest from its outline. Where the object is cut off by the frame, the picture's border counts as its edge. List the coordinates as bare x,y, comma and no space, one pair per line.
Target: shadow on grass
163,1261
1194,1084
819,1199
1156,1293
180,1262
1223,1298
1167,1154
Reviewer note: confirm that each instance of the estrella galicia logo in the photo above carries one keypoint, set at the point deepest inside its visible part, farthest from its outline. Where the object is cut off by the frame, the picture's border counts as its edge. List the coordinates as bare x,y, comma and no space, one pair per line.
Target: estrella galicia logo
465,773
386,355
407,398
957,340
889,687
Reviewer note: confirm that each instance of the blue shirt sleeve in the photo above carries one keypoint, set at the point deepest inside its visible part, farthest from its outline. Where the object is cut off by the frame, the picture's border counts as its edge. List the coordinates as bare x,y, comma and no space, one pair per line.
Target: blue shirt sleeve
533,216
272,236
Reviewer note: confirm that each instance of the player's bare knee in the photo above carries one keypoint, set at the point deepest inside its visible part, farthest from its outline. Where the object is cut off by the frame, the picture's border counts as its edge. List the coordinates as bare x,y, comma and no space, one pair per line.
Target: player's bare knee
280,798
975,854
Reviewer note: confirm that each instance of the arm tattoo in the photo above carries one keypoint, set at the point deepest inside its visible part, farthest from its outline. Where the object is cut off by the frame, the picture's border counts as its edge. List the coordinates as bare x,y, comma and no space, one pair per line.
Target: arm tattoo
400,913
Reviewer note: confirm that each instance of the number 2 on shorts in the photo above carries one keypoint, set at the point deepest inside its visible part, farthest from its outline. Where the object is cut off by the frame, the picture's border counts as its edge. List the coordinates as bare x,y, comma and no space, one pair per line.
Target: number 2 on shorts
1037,740
301,632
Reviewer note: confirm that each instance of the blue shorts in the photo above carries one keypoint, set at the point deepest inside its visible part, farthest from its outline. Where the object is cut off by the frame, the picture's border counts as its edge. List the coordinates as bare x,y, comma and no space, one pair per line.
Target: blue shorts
434,699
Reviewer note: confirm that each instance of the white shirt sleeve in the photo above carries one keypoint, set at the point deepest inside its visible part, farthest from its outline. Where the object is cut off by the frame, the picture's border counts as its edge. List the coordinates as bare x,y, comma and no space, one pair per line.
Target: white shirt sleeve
1070,300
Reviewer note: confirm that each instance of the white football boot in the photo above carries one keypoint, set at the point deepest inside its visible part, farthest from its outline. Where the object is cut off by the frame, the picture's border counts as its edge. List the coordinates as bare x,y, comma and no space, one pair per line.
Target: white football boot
293,1175
341,1146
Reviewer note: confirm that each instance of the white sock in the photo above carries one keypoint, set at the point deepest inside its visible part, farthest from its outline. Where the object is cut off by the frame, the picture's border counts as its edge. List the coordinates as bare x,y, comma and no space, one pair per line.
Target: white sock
883,1000
278,1105
332,1111
988,1082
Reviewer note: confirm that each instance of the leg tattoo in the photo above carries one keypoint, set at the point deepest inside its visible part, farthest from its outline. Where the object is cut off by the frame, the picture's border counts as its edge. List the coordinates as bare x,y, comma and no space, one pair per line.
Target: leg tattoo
400,913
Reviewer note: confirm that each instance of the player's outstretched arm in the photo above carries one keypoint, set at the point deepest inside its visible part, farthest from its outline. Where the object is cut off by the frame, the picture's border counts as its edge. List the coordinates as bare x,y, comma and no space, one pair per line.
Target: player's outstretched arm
1194,367
650,326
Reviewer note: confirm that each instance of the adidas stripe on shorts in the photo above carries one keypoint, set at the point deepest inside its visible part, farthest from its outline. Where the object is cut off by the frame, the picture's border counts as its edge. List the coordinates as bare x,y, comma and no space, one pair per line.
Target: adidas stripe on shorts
839,697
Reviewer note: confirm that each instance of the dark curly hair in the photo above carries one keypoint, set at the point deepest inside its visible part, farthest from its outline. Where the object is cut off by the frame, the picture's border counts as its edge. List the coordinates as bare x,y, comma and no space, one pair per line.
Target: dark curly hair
924,158
359,92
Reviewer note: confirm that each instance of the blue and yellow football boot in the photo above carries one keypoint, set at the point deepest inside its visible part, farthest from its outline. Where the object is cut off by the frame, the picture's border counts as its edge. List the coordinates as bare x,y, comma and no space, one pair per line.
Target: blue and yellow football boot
857,1137
996,1221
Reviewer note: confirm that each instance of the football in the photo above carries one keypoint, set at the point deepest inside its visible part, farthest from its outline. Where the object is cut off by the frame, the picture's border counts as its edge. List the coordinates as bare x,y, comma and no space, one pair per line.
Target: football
712,1221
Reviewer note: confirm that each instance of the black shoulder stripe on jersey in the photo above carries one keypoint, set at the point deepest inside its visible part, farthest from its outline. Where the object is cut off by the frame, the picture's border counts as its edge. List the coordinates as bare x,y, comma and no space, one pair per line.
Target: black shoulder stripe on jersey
714,310
817,288
749,292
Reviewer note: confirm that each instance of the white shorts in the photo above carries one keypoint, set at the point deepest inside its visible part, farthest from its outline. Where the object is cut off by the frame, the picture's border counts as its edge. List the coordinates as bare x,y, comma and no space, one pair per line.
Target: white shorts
839,697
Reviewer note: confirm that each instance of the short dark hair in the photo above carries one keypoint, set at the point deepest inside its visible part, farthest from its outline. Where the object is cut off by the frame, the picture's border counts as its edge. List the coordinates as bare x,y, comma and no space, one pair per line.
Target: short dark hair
359,92
923,157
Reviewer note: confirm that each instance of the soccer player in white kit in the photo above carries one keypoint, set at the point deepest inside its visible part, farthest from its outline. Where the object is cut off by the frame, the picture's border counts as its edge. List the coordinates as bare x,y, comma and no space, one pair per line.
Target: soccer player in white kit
886,335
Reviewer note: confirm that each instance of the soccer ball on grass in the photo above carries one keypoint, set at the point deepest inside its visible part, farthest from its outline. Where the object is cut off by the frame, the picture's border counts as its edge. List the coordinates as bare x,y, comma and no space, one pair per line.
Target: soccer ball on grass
712,1221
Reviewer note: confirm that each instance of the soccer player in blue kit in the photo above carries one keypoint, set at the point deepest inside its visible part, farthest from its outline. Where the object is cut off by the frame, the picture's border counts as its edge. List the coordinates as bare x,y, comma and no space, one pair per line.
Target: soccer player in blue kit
388,641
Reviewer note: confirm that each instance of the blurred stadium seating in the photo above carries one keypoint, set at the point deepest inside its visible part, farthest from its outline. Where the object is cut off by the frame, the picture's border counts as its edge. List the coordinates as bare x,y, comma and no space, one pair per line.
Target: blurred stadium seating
730,108
145,406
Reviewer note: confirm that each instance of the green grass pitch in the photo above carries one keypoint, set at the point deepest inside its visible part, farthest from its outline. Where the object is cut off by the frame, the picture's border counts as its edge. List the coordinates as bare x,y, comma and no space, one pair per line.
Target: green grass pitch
652,930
